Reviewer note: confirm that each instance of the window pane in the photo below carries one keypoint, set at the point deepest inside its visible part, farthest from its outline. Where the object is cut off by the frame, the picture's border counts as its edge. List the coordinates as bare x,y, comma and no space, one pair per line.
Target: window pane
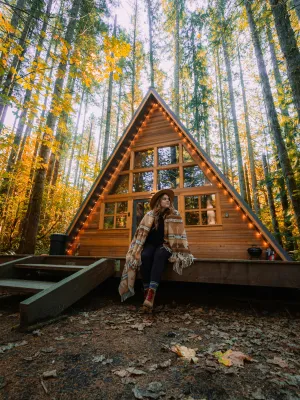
193,176
143,182
108,222
192,218
127,165
168,178
168,155
204,219
121,221
144,159
186,156
121,185
109,208
208,201
191,202
122,207
141,209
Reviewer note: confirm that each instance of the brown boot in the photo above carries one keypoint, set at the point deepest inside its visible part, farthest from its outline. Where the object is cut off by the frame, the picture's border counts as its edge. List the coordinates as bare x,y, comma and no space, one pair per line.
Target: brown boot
145,293
149,301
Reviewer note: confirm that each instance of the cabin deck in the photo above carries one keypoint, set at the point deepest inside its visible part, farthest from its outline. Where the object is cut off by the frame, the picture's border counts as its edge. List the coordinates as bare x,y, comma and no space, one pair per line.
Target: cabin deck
220,271
57,282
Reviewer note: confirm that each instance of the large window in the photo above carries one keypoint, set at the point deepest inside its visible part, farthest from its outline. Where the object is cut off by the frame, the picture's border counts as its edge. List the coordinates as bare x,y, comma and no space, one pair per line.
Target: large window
200,209
160,167
194,177
115,215
121,185
168,178
144,159
143,181
168,155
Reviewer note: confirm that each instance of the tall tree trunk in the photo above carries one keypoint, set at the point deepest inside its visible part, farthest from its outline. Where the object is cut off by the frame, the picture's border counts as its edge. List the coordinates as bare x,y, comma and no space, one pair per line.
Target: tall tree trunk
219,121
177,59
247,186
289,48
150,23
134,58
100,135
297,7
234,121
285,163
288,128
108,110
249,142
271,203
290,243
75,139
222,115
80,148
196,81
118,110
87,152
28,241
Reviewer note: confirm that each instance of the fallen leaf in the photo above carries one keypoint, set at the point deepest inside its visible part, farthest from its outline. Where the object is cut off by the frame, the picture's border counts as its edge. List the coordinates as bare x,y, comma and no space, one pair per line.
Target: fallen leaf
37,333
185,352
48,350
153,391
165,364
50,374
231,357
278,361
97,359
10,346
128,371
58,338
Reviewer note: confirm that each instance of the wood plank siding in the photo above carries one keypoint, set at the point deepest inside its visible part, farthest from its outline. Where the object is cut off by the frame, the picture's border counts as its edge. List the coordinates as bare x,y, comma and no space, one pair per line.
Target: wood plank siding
229,239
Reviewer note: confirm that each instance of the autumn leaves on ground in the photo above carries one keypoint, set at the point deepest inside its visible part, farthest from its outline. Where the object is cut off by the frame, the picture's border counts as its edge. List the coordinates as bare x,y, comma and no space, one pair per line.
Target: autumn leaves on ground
224,344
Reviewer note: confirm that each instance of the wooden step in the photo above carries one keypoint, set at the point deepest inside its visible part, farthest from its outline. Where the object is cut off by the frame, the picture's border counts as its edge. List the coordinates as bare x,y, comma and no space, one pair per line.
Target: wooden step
22,285
50,267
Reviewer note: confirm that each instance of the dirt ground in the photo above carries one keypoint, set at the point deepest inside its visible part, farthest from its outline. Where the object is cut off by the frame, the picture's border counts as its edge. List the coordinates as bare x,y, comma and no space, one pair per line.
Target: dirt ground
102,349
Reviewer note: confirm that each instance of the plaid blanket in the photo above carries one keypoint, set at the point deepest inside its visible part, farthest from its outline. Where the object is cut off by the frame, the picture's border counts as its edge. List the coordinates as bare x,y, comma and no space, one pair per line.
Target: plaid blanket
175,241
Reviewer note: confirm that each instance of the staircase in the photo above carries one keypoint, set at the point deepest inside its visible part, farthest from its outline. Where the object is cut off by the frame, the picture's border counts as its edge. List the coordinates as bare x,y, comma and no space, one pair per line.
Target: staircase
54,282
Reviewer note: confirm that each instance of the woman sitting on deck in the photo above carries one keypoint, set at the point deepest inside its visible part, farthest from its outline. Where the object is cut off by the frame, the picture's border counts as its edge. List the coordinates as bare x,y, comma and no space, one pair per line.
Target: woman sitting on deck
159,237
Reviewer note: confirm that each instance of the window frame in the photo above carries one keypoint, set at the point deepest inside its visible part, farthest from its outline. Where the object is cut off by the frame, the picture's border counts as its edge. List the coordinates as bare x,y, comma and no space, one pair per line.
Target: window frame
115,214
217,209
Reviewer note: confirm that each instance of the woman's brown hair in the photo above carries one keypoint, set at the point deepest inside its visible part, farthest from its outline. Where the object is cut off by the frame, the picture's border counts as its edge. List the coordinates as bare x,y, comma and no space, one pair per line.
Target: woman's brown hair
158,211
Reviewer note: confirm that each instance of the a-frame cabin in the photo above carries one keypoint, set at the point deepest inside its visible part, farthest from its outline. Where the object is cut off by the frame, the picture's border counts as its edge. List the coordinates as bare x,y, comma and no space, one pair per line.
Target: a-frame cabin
155,152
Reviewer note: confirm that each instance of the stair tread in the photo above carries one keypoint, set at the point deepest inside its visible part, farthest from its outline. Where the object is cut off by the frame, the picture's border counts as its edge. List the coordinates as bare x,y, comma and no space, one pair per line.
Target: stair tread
51,266
25,284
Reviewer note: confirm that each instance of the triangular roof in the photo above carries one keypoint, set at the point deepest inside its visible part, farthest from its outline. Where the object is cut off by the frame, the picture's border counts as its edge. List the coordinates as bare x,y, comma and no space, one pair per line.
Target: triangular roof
152,98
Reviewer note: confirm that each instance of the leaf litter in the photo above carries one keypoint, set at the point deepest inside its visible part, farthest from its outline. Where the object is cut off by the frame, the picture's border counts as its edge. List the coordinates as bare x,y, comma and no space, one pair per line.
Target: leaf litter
138,349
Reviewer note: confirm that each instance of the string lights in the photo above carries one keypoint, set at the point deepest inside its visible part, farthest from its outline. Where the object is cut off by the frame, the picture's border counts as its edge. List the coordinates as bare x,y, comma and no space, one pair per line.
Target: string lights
124,158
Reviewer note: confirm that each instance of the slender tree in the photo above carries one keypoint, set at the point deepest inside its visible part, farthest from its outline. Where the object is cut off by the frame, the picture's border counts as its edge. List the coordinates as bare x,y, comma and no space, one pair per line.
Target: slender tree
249,142
289,48
108,109
271,202
238,149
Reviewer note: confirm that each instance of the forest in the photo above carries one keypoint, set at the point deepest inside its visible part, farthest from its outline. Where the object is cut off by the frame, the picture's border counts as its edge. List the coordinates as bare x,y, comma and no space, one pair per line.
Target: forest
72,74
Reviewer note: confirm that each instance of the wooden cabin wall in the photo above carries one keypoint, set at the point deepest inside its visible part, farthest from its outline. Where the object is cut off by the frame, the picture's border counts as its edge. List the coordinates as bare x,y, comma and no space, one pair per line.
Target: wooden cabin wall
229,240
